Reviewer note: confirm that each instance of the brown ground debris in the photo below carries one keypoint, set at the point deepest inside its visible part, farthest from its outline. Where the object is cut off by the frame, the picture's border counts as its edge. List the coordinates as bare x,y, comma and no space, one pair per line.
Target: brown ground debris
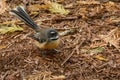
21,59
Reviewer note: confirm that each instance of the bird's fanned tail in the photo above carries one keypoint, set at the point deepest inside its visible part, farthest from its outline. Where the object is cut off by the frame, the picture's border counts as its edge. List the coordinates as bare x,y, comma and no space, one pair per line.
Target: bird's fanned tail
22,15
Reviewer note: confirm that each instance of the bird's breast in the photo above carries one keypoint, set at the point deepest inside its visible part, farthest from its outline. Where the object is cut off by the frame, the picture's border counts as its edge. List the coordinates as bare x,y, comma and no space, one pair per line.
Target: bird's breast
48,45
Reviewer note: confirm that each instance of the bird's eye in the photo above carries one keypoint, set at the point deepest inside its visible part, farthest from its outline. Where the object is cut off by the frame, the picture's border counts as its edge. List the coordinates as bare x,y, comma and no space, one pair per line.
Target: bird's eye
53,33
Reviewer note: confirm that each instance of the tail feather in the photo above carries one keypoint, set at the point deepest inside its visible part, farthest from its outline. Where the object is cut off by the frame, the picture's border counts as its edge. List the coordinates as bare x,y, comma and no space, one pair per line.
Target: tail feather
22,15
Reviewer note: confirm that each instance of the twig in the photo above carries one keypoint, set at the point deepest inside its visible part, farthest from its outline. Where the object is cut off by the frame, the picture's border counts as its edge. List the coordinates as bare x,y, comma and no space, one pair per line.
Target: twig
67,32
63,29
4,76
12,60
61,77
68,58
76,49
66,18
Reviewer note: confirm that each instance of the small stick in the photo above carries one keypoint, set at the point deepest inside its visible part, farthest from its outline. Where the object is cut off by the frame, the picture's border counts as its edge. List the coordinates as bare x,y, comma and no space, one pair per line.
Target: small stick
66,18
68,58
76,49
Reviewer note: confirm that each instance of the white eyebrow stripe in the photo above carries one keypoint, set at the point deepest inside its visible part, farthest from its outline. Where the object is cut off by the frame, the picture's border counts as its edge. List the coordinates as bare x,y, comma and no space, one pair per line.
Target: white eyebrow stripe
52,32
54,37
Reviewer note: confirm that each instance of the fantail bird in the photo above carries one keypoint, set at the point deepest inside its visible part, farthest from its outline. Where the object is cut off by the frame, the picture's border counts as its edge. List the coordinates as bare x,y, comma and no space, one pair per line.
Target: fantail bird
44,38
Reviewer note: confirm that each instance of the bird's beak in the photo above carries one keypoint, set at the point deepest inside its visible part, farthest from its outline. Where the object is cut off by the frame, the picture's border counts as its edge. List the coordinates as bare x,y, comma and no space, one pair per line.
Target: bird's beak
54,38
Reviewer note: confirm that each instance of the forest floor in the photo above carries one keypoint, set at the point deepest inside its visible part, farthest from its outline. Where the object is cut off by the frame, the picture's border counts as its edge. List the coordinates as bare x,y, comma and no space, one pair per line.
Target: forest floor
91,51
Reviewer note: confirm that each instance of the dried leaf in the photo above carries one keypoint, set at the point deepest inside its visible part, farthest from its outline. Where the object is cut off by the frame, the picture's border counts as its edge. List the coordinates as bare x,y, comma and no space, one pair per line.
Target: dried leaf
9,22
3,6
101,58
111,6
5,29
57,8
96,50
88,2
93,51
43,76
37,76
51,6
2,46
112,38
37,7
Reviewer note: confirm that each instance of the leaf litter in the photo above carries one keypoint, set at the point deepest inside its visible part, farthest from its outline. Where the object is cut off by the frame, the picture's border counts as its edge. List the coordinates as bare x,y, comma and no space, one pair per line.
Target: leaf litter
3,6
5,29
112,38
87,54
